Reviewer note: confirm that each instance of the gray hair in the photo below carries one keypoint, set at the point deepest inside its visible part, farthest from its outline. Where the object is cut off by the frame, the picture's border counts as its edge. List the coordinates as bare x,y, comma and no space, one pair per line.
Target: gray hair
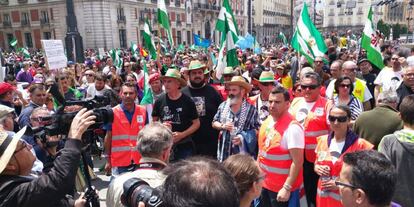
153,139
388,97
314,76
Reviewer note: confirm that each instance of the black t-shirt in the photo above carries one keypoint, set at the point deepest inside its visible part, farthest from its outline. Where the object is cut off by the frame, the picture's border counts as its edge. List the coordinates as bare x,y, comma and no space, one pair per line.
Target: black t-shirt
180,113
207,100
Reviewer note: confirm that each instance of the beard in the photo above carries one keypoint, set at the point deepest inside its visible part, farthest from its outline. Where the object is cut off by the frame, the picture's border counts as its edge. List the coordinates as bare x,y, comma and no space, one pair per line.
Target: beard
197,84
234,98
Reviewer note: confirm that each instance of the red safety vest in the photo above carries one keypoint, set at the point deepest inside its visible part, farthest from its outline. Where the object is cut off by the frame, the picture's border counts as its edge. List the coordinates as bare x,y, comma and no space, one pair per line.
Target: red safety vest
274,160
333,198
315,123
124,136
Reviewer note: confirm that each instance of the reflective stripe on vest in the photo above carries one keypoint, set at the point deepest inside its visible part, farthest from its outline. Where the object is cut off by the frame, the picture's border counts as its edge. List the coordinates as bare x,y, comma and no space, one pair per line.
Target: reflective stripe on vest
330,194
310,146
316,133
122,149
274,169
124,137
275,157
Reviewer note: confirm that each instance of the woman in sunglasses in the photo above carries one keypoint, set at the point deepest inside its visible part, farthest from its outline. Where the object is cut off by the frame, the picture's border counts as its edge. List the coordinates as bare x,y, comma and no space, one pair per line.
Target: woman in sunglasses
329,153
343,96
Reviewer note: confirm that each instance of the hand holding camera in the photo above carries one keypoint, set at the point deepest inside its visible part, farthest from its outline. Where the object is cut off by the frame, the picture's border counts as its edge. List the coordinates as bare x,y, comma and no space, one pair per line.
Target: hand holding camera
80,123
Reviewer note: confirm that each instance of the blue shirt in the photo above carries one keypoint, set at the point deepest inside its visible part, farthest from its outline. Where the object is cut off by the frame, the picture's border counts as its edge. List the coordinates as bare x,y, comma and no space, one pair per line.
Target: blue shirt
127,113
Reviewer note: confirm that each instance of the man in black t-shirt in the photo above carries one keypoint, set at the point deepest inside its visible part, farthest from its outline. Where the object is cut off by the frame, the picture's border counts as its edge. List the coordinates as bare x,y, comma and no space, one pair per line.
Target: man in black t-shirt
178,112
369,77
207,101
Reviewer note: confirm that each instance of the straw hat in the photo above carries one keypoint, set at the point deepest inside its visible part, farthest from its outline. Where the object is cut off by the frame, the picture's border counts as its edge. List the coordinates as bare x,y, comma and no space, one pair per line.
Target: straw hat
240,81
8,146
228,71
267,77
196,64
173,73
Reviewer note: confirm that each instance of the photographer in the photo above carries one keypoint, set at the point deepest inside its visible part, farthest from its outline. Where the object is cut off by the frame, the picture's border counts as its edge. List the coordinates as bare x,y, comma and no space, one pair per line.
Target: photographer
16,161
154,144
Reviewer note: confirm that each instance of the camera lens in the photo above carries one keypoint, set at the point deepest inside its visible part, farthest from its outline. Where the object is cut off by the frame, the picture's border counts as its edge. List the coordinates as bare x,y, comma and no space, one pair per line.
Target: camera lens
136,190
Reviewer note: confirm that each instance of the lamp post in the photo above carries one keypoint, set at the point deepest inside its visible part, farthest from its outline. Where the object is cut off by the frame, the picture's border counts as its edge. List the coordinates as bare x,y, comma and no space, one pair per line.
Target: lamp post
73,40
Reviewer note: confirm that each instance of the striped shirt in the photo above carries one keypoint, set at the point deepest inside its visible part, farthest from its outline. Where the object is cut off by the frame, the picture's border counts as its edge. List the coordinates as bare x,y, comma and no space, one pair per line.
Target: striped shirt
354,104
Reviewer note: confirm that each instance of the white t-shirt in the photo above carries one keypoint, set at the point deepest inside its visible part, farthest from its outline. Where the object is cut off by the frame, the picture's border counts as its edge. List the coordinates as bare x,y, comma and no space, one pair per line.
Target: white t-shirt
92,92
336,149
331,87
294,137
388,79
303,112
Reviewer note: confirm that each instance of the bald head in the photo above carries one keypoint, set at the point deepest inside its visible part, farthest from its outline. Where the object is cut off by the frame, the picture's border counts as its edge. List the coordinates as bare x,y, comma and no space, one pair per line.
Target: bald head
349,69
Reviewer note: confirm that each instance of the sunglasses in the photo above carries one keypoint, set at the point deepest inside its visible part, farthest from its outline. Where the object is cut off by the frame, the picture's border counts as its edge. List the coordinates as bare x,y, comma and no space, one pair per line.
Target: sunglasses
311,87
267,83
338,183
340,119
345,85
394,58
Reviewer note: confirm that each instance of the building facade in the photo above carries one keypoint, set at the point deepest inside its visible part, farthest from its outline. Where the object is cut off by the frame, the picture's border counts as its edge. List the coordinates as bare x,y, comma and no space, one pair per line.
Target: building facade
109,23
399,13
270,18
341,15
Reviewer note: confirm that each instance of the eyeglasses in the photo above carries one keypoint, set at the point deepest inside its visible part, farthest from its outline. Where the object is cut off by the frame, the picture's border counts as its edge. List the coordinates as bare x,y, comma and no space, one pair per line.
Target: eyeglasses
338,183
267,83
345,85
339,118
90,75
394,58
318,61
24,145
310,87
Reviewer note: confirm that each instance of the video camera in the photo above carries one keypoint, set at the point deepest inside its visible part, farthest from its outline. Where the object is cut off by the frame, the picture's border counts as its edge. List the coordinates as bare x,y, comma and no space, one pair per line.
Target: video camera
137,190
62,119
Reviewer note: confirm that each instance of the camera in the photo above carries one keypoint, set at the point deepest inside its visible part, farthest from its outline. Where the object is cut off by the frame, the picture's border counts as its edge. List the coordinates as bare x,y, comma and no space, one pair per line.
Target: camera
137,190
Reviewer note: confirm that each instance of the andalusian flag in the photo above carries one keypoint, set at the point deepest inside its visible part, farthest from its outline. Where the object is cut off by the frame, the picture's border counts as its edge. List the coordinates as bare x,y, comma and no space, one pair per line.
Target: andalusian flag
25,52
116,59
227,13
228,44
164,20
148,41
147,96
371,44
13,42
134,49
307,39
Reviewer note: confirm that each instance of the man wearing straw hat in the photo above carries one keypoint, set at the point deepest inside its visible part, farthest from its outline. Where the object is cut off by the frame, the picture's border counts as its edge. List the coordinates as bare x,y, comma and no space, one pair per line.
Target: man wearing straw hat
237,120
261,101
17,188
207,101
177,111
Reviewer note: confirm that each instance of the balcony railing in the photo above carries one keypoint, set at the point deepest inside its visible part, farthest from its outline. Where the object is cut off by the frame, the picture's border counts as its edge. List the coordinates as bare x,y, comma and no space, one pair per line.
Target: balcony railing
25,22
7,24
121,19
177,3
44,21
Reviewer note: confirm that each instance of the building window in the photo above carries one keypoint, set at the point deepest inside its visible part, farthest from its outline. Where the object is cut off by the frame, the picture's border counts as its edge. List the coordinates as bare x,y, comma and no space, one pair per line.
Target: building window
44,17
25,18
179,37
6,18
188,37
28,39
120,14
122,38
47,35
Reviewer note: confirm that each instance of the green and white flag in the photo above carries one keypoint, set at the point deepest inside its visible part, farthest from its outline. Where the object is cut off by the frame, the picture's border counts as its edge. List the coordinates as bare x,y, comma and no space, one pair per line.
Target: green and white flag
283,37
147,97
116,59
227,13
148,41
134,50
228,45
13,42
307,40
370,43
25,52
164,20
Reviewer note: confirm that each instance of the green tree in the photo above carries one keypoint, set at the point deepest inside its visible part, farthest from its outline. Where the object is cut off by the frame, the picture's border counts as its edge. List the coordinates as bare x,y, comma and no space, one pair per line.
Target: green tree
383,28
396,31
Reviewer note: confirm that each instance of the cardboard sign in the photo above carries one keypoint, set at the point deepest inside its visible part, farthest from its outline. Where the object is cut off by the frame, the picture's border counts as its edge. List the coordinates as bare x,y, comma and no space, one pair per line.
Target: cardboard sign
54,54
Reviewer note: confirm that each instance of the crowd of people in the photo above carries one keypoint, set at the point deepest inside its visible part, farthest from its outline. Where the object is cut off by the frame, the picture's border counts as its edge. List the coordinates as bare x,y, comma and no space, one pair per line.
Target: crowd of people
277,130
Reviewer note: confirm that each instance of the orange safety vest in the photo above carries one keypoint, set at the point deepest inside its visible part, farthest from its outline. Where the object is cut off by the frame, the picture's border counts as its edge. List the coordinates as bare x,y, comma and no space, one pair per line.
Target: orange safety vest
124,136
315,123
333,198
274,160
